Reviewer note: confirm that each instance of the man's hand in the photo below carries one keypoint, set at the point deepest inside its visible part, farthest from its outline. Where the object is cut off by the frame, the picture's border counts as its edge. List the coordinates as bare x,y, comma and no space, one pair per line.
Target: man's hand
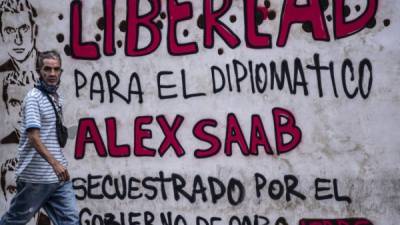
61,171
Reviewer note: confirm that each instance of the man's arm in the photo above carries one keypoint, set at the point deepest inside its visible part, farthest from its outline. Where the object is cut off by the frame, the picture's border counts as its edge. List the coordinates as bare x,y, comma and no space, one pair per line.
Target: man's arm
34,138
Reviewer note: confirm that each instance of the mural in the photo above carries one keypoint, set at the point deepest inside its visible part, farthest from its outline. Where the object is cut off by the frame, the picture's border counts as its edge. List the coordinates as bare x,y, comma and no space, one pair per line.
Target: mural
18,32
216,112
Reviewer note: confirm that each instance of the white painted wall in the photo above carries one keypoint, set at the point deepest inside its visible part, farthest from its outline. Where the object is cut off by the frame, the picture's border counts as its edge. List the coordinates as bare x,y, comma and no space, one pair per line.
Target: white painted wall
352,140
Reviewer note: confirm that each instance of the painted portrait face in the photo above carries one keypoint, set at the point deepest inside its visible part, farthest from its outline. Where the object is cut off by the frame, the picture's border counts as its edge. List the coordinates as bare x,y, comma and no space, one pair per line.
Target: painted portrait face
8,184
17,34
14,92
16,96
11,186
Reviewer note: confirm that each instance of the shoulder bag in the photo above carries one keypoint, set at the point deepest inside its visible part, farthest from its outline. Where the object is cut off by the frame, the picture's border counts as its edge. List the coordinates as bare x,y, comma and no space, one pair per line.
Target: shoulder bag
62,131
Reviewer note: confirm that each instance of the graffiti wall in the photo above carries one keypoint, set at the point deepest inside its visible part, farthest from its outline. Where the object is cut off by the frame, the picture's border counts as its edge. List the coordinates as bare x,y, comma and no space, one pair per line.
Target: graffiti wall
215,112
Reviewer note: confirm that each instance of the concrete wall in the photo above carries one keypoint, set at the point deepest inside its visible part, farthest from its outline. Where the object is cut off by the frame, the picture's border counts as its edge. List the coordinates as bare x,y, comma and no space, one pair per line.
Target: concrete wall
259,113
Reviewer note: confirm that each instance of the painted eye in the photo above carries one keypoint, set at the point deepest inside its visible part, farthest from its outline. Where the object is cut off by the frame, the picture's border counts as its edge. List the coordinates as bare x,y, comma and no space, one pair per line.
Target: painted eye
14,102
12,189
9,30
24,28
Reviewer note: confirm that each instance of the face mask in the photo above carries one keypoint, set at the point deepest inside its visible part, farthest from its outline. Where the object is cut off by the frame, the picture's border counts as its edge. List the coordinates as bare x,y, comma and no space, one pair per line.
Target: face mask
51,89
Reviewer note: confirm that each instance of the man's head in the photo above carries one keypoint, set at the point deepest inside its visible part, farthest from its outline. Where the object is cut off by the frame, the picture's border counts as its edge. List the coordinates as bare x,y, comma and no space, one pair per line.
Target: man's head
14,91
7,182
48,66
18,29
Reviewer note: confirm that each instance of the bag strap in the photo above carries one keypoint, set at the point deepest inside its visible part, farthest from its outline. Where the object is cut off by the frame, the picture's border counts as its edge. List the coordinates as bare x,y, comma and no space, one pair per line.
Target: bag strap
58,120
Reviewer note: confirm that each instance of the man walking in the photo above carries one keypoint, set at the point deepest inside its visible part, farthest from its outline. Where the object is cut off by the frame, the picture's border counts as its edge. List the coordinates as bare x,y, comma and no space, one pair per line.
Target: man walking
42,175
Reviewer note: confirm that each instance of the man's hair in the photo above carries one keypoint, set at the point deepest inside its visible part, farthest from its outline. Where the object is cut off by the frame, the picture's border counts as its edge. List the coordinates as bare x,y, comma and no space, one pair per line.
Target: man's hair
12,79
9,165
52,54
17,6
